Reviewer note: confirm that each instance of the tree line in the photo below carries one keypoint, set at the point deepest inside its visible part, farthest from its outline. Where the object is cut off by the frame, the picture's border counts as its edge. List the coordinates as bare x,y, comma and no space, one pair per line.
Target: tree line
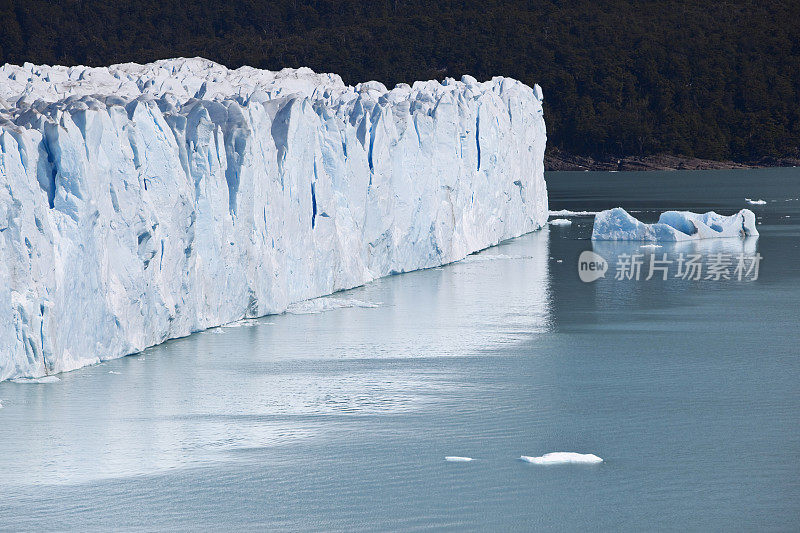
717,80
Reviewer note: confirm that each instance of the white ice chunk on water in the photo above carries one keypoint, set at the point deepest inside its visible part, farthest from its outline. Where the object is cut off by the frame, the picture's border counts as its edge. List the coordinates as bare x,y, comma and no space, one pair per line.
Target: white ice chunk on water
559,458
619,225
43,379
457,459
568,213
479,258
755,202
240,323
320,305
560,222
140,203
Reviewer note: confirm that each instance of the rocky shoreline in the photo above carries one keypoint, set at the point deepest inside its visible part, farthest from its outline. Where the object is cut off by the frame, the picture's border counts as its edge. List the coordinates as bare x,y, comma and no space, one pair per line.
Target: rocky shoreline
556,161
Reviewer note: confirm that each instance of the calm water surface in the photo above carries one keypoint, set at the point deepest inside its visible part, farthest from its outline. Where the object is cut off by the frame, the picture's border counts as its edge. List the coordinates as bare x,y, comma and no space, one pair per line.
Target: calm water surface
341,420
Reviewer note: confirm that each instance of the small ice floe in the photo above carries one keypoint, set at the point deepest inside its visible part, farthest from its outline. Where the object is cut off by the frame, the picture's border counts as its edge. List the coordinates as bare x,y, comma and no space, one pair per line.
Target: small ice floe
1,404
568,213
115,373
320,305
560,222
563,458
476,258
43,379
650,246
244,322
755,202
457,459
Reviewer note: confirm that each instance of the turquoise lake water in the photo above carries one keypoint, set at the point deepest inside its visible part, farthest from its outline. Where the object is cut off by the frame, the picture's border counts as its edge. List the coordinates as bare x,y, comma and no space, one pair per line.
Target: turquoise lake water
341,420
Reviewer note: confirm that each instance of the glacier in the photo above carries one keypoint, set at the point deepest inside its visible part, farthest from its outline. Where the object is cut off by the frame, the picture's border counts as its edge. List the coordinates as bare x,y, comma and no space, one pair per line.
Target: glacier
140,203
619,225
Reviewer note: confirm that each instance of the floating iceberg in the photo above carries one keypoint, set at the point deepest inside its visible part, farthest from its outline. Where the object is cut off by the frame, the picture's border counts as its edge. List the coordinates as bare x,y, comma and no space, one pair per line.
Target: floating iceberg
457,459
619,225
561,222
140,203
568,213
755,202
560,458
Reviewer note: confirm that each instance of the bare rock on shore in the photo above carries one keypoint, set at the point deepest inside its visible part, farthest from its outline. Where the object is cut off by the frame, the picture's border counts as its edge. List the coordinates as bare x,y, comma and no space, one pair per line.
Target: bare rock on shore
557,160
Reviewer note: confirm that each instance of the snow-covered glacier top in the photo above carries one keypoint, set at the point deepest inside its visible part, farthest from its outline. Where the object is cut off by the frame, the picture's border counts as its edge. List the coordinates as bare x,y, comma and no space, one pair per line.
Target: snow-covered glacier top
140,203
180,78
177,81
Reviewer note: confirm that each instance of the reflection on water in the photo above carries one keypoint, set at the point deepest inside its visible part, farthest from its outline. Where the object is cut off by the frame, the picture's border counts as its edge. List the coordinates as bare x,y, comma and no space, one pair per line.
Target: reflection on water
280,379
705,247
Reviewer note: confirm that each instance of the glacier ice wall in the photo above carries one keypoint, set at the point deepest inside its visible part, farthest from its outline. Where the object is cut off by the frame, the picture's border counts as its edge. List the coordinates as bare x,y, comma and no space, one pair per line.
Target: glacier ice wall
140,203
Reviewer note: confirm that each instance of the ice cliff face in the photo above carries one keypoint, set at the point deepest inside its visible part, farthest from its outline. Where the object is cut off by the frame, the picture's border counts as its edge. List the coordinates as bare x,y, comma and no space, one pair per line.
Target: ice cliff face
140,203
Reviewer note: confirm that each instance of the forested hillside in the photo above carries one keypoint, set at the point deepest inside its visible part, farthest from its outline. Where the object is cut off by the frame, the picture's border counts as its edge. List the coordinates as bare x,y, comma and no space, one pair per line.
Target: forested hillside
718,80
